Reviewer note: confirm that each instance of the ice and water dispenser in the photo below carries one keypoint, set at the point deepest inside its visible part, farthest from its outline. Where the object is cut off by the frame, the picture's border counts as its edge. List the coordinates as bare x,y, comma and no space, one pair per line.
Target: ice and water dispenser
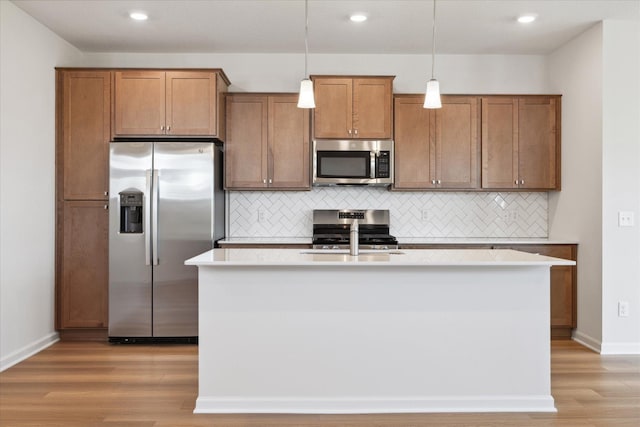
131,212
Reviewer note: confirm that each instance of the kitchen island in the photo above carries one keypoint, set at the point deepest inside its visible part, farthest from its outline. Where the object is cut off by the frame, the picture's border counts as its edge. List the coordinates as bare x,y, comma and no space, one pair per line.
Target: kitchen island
285,331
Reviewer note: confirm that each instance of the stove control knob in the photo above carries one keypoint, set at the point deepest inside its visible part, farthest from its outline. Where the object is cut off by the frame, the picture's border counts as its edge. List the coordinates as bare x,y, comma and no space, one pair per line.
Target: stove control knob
335,247
325,247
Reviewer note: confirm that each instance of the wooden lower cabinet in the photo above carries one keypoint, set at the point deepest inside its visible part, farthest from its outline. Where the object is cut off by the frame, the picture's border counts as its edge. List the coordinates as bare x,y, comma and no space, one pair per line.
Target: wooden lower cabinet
563,286
564,314
83,274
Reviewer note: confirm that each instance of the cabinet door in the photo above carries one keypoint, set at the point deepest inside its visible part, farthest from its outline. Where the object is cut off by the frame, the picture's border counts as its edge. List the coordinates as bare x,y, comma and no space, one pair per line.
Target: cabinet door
499,142
333,115
246,144
372,108
191,103
85,265
414,154
537,142
288,142
86,131
456,143
139,103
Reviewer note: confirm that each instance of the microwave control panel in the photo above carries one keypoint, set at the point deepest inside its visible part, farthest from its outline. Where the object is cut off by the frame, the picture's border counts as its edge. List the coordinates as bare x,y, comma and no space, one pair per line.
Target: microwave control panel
382,165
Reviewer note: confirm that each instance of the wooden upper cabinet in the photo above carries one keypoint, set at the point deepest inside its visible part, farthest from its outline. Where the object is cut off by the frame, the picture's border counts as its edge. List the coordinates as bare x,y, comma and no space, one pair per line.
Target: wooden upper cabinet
353,107
538,142
178,103
267,143
521,142
83,291
139,103
333,115
288,142
246,145
86,124
456,141
413,150
436,148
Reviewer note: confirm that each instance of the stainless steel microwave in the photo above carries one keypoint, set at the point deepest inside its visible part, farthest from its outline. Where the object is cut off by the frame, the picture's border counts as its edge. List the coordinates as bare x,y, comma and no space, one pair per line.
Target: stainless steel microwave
352,162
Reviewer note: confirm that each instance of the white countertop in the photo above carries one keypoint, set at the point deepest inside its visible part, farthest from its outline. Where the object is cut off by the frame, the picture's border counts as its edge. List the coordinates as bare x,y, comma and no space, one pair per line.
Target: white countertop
403,257
408,240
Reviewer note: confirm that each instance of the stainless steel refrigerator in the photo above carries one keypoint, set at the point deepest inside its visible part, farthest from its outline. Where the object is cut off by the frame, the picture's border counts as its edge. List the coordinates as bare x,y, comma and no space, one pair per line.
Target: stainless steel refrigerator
166,204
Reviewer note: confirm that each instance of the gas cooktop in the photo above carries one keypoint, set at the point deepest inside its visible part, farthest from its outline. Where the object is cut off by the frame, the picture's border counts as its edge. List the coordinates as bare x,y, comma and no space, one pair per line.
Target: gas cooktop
331,229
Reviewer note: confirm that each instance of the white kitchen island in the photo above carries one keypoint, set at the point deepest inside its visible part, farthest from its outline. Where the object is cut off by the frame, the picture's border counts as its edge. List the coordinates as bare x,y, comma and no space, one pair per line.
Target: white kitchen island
282,331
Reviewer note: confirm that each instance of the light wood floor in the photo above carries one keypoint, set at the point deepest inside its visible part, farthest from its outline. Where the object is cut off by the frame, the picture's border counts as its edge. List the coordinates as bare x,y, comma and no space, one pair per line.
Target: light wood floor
96,384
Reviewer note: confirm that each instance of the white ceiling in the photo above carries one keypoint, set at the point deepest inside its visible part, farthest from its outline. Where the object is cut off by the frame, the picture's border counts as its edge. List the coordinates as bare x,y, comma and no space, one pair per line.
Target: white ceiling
269,26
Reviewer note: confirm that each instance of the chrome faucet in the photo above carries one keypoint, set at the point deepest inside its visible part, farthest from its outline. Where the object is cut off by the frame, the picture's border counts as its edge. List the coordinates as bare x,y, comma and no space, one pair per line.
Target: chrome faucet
354,248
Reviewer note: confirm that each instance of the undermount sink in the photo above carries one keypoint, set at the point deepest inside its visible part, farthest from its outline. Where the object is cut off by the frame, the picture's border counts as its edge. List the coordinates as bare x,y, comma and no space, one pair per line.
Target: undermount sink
346,251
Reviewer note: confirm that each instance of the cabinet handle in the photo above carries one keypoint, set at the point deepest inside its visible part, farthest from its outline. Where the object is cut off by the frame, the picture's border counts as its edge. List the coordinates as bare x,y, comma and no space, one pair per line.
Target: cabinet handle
349,131
162,127
356,131
168,128
270,181
433,181
264,181
522,181
439,182
106,207
517,182
106,193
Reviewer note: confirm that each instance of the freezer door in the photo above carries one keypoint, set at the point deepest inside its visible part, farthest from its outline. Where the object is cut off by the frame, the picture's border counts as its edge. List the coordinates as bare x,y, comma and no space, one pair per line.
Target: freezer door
129,248
184,229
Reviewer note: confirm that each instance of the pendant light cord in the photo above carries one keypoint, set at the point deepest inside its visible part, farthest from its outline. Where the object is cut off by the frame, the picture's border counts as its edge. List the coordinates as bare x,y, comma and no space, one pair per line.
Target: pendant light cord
306,36
433,38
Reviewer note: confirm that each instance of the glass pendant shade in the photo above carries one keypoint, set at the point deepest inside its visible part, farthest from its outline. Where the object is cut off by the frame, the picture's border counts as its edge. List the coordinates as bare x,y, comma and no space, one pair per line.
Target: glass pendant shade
432,97
305,99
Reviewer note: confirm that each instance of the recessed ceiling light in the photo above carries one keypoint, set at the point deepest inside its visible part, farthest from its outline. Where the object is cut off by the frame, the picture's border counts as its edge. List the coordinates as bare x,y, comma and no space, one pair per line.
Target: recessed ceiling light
138,16
526,19
358,17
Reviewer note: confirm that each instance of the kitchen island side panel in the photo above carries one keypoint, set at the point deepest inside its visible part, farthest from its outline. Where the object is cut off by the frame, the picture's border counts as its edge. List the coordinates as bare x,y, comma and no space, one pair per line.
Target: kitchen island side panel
365,339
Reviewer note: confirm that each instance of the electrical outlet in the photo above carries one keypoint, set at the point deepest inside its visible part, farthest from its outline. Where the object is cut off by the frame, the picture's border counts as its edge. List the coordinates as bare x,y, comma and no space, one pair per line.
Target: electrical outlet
623,309
625,219
510,215
262,215
424,215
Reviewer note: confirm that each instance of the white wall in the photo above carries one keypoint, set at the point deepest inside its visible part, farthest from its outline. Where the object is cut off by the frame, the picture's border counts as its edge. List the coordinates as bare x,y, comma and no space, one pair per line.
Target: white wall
598,75
620,185
28,54
576,211
282,72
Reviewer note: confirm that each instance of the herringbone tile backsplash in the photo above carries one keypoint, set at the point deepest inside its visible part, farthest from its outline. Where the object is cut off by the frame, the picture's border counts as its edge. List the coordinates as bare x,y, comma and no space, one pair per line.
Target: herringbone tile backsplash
413,214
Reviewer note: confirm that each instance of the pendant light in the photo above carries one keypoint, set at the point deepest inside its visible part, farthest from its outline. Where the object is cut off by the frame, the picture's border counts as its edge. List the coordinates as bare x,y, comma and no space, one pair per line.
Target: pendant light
432,97
305,99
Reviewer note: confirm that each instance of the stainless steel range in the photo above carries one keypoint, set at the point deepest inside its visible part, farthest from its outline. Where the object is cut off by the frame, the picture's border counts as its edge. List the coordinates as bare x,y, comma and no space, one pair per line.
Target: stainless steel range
331,229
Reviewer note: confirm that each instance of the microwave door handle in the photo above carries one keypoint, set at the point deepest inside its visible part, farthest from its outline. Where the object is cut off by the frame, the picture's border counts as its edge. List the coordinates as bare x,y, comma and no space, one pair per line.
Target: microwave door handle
373,165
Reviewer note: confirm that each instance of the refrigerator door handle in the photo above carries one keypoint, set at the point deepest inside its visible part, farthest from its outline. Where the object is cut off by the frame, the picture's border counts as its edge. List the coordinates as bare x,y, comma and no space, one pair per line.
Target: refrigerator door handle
154,216
147,219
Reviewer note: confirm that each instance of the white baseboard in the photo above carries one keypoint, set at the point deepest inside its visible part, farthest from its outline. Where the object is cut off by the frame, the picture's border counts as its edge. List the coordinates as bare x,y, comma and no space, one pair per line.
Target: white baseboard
620,348
28,351
215,405
606,348
587,341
